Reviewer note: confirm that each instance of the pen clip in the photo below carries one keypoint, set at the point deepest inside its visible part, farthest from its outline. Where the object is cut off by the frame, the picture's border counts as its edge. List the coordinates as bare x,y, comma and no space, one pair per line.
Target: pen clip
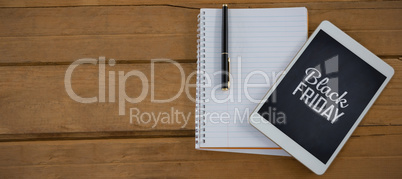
229,72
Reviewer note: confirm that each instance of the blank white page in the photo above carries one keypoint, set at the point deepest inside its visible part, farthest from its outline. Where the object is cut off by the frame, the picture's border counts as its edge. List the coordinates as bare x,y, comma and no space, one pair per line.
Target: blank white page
261,44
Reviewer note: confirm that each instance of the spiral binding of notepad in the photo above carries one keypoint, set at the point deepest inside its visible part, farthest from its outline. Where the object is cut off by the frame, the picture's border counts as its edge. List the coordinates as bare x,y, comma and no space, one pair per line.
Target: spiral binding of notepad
200,92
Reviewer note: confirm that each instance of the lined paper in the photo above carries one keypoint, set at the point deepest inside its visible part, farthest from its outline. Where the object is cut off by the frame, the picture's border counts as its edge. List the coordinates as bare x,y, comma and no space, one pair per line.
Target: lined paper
261,44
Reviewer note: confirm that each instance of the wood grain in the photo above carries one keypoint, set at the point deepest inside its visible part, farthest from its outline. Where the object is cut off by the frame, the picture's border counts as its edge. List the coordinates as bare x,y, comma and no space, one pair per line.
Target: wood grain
123,20
193,4
176,157
115,20
141,33
49,109
387,167
46,134
140,48
36,101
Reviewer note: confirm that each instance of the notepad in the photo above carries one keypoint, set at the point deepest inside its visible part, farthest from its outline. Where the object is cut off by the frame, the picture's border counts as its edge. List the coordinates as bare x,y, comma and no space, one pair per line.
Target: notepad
261,44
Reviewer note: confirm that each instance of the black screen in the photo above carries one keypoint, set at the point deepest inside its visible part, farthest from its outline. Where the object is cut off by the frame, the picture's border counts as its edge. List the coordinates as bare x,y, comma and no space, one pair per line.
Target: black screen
322,96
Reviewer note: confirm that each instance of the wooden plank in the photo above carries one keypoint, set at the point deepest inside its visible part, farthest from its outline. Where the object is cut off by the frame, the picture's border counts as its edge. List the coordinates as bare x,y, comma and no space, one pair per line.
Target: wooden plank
66,49
328,5
120,20
357,19
351,167
381,43
142,47
384,114
115,20
35,102
194,3
366,131
35,153
142,33
182,149
159,157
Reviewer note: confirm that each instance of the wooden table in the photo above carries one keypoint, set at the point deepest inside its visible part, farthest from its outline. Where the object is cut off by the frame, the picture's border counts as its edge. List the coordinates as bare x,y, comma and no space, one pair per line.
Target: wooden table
45,133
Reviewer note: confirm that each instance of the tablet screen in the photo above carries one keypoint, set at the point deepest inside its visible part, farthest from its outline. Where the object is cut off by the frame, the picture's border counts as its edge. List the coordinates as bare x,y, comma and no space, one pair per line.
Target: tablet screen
322,96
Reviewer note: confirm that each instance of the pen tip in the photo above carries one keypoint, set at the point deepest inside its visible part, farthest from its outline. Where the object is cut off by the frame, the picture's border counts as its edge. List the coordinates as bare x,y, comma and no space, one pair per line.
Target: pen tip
225,5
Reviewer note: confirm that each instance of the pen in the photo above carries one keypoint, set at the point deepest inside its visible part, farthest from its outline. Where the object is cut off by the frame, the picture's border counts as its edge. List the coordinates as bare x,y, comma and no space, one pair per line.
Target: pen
225,51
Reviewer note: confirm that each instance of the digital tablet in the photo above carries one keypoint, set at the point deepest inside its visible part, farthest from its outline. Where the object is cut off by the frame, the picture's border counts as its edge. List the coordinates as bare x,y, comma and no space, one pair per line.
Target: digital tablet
321,97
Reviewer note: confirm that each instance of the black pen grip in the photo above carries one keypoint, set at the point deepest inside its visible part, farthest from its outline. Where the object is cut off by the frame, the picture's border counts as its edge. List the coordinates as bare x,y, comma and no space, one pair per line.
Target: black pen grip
225,71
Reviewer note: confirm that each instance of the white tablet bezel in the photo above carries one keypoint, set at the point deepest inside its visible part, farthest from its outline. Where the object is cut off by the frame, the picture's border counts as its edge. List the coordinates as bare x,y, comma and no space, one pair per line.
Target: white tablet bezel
286,142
